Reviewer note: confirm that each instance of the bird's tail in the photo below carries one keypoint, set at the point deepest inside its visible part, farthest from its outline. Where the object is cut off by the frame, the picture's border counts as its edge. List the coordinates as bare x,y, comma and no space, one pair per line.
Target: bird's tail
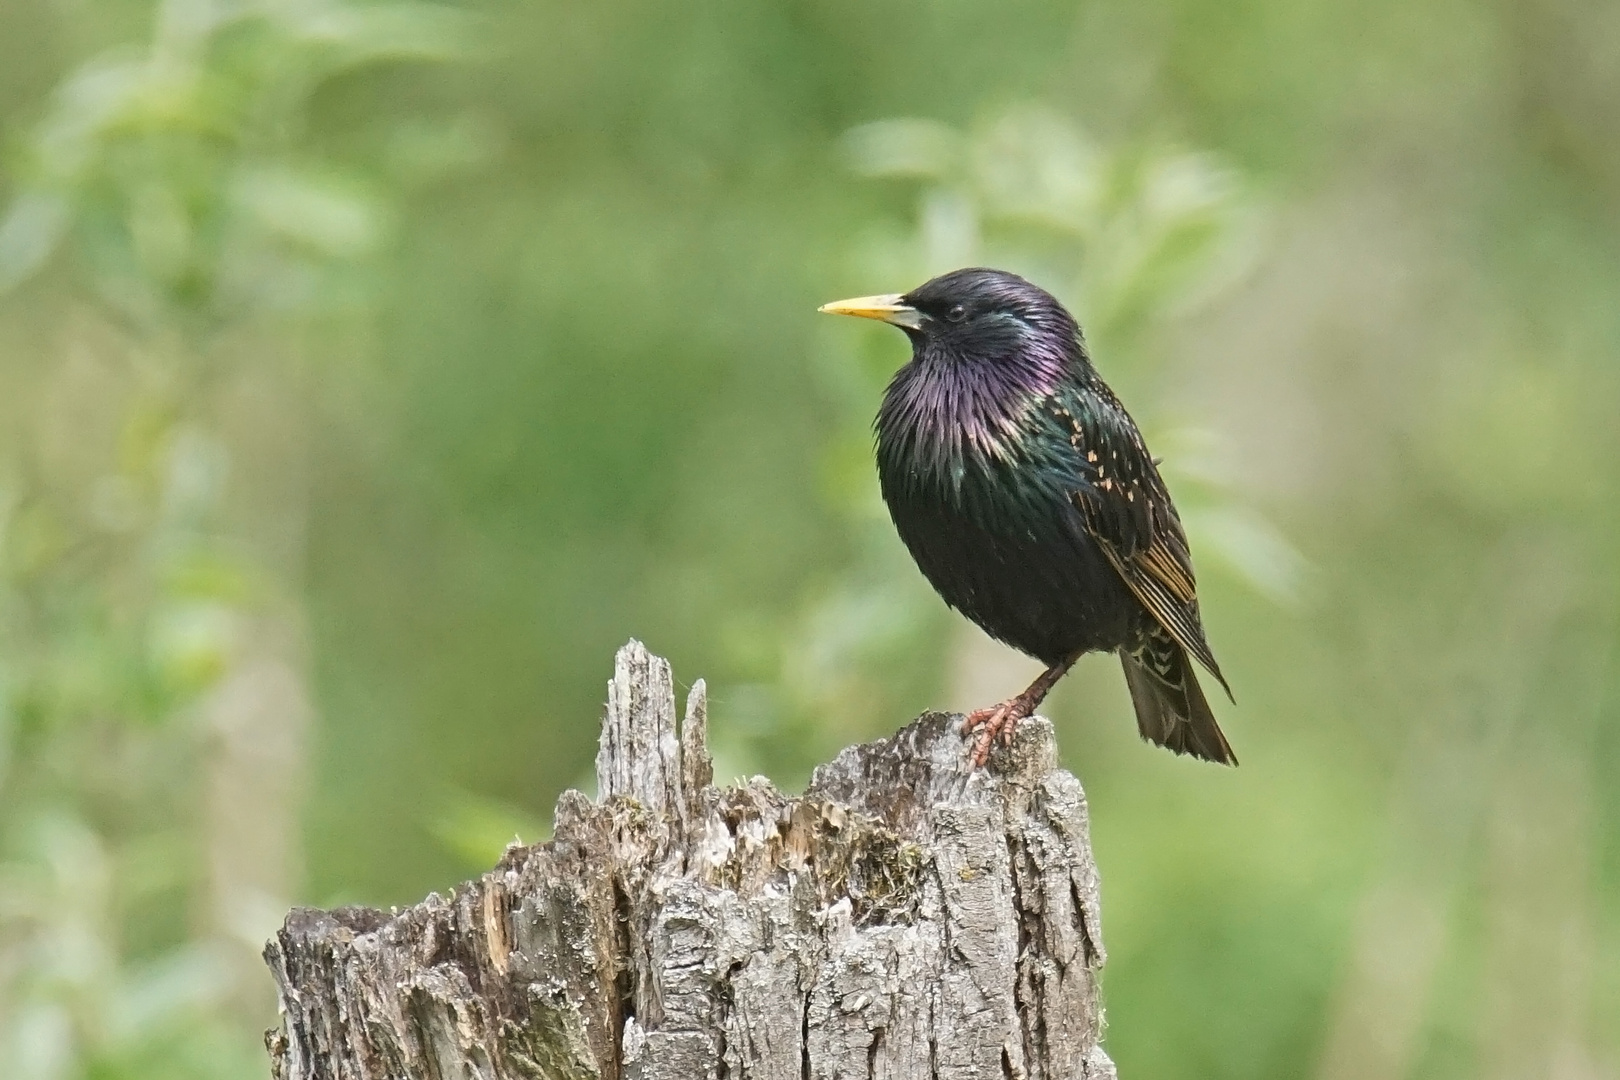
1170,705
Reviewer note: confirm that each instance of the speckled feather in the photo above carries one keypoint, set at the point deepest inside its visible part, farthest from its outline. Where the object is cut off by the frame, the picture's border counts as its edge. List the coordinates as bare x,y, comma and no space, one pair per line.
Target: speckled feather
1029,500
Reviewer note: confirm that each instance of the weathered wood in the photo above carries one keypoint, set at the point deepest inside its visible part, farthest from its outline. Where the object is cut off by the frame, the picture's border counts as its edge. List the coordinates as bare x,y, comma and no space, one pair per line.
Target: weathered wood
901,920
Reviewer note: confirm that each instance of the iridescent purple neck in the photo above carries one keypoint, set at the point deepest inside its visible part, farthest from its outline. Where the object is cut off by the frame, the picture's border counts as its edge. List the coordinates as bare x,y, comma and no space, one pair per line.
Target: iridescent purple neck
943,410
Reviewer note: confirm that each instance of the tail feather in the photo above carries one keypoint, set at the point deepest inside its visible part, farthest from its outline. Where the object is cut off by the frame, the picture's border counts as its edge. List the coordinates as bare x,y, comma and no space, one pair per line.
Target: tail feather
1170,705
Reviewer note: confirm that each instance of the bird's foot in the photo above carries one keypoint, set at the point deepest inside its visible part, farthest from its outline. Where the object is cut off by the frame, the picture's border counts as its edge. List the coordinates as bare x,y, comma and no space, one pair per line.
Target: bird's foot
997,720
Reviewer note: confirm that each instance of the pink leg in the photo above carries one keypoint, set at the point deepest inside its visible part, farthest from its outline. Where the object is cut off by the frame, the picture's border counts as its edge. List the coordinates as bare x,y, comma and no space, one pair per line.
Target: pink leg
1003,719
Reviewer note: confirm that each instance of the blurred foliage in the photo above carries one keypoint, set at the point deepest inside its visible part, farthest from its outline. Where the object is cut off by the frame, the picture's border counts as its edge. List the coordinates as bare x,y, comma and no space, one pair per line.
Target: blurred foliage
432,383
177,186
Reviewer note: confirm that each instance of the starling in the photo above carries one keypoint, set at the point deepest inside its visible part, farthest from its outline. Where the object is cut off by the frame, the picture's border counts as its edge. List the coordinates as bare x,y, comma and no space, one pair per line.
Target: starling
1027,497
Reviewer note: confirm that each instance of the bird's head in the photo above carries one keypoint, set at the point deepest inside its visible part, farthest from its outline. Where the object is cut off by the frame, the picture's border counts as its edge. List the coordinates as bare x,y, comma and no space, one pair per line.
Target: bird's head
973,315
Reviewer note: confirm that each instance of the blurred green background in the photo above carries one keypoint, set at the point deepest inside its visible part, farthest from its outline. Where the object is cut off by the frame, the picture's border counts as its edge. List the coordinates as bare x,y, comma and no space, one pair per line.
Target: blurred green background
369,373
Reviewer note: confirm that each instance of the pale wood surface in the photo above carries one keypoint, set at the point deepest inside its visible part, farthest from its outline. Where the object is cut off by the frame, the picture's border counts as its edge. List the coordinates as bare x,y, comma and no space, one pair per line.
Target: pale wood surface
900,920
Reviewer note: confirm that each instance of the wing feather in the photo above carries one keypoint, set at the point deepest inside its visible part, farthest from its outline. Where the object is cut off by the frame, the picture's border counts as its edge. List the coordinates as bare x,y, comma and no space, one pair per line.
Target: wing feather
1126,507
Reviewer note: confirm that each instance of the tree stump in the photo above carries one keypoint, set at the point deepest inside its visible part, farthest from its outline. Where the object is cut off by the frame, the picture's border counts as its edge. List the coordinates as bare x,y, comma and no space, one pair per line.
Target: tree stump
901,919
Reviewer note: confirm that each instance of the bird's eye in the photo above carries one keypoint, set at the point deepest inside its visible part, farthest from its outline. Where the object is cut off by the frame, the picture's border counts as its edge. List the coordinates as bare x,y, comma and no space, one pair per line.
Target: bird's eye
957,313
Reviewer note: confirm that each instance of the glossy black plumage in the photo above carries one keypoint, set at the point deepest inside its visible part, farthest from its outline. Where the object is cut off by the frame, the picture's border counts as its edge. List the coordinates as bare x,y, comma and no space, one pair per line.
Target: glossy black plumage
1027,497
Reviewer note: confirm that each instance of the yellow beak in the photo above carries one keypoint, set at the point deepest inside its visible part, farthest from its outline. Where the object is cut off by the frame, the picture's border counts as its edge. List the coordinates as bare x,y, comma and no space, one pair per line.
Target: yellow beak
889,308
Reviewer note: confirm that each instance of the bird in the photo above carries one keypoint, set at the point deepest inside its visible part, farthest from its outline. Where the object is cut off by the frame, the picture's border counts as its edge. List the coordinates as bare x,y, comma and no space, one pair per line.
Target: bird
1028,499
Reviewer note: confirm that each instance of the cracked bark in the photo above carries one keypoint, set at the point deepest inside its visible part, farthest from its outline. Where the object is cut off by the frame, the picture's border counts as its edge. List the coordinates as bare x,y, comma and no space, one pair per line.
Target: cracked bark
901,920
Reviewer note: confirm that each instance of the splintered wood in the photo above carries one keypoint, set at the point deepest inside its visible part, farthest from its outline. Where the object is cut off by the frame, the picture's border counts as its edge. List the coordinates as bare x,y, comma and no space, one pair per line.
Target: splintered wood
903,919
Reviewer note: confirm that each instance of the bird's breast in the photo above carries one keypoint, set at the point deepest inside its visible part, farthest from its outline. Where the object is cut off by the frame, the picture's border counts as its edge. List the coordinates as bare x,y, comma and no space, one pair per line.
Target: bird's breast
1011,554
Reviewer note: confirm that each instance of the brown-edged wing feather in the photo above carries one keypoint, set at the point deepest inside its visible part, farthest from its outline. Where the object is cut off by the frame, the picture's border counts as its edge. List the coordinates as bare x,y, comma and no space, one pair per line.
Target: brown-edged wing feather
1126,507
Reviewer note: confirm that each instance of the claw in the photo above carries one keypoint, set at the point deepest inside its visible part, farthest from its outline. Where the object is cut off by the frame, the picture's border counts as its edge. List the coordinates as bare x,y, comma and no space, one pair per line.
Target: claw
997,720
1003,719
